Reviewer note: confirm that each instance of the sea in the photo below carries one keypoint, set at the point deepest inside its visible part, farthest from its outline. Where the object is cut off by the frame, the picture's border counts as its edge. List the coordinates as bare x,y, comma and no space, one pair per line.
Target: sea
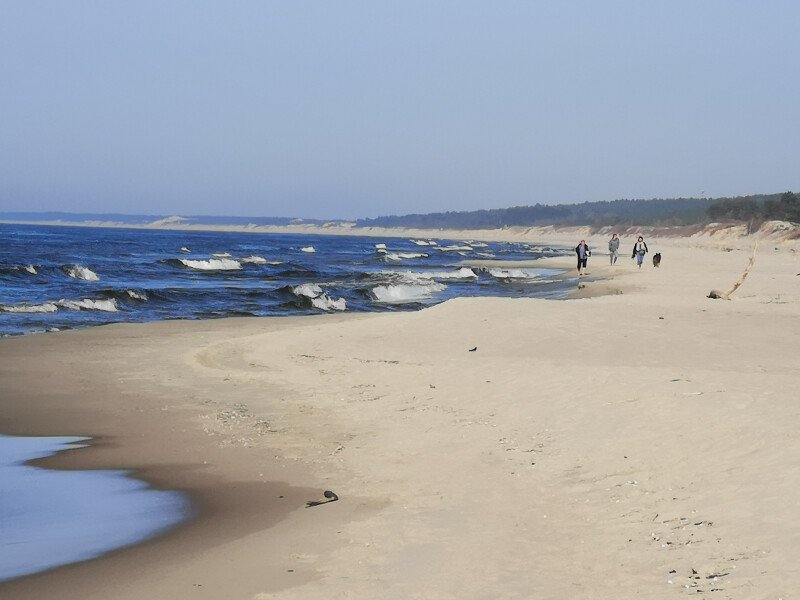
54,278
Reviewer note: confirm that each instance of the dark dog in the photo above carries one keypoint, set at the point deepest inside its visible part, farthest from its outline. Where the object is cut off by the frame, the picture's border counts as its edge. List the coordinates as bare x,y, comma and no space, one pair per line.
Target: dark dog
657,259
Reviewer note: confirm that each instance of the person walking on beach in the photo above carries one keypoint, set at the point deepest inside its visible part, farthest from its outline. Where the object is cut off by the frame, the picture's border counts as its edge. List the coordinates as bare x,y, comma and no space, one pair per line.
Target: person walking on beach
639,250
583,252
613,247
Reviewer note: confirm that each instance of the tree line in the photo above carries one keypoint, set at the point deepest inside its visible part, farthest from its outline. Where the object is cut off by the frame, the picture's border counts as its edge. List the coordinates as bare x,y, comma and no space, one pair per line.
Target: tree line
659,212
756,210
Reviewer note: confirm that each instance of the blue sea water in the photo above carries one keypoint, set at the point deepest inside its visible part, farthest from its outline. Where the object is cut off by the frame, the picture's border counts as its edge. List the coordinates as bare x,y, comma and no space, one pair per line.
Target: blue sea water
51,518
54,278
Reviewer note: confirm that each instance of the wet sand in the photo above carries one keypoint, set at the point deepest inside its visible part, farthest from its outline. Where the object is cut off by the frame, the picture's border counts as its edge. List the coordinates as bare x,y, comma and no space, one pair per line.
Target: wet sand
601,447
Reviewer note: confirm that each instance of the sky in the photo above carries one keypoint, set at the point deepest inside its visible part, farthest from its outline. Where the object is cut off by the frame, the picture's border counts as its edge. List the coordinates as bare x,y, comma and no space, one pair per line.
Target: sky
358,109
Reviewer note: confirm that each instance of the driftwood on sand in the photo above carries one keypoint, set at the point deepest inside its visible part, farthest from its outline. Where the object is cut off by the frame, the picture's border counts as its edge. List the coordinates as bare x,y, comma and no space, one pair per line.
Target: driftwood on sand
717,295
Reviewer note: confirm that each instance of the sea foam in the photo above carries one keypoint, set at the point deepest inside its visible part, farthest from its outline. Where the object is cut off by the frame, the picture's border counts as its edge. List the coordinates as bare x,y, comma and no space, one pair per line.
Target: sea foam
141,296
47,307
397,256
405,293
424,277
318,298
80,272
109,305
213,264
254,260
454,248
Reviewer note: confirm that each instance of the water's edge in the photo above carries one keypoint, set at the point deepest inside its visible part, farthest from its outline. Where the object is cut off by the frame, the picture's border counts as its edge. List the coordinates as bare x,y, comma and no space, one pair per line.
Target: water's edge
51,518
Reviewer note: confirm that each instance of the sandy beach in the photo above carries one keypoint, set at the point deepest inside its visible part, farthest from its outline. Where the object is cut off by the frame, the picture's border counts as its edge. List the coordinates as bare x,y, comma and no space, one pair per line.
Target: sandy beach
637,441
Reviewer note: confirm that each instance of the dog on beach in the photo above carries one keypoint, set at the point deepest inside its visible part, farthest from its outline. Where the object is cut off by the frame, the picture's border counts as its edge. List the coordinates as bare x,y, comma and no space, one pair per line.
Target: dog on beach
657,259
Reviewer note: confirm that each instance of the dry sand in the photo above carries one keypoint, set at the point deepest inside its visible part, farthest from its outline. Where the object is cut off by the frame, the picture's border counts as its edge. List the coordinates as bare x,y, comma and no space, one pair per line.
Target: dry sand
620,446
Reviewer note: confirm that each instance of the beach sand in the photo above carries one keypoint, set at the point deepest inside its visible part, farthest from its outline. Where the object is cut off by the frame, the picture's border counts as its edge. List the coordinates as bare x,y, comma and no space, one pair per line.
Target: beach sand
626,444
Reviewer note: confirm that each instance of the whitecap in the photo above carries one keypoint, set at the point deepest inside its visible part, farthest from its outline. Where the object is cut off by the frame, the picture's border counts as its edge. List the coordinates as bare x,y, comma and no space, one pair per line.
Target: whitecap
30,269
309,290
325,302
426,277
420,242
221,255
510,274
141,296
455,248
405,293
186,250
109,305
396,256
380,247
319,299
81,272
308,249
47,307
254,260
214,264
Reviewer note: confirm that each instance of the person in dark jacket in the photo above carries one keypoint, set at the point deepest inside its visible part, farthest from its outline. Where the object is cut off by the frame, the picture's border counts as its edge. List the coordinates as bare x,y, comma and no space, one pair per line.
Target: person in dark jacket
639,250
583,252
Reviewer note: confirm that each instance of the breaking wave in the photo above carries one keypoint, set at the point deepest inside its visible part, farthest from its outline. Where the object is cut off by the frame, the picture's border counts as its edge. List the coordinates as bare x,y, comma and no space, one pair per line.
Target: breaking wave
134,295
318,298
80,272
253,260
397,256
405,293
47,307
213,264
424,277
510,274
455,248
108,305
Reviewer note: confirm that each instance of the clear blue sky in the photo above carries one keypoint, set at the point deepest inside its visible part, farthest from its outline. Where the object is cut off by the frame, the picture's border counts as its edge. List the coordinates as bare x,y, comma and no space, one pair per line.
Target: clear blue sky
347,109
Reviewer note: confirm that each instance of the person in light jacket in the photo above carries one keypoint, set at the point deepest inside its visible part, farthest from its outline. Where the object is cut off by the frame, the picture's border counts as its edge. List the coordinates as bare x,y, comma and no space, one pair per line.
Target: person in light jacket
613,248
583,252
639,250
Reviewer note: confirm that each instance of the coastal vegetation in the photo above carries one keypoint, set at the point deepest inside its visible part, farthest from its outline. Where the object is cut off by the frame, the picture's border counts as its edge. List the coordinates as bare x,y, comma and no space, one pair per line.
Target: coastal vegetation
660,212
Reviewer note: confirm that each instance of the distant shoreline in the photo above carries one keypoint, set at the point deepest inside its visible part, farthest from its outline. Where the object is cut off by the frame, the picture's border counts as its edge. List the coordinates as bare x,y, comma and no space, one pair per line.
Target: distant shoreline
712,234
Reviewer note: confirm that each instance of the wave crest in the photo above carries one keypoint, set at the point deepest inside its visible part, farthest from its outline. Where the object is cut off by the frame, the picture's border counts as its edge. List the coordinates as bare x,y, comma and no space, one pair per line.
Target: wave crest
318,298
406,293
80,272
213,264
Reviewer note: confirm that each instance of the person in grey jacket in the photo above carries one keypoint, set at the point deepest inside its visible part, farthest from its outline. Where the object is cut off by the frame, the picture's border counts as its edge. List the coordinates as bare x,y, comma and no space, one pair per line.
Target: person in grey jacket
613,248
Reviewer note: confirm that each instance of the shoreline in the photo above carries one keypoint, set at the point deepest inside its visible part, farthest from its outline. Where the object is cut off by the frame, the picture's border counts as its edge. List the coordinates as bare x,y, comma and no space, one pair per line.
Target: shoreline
712,235
497,453
227,501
